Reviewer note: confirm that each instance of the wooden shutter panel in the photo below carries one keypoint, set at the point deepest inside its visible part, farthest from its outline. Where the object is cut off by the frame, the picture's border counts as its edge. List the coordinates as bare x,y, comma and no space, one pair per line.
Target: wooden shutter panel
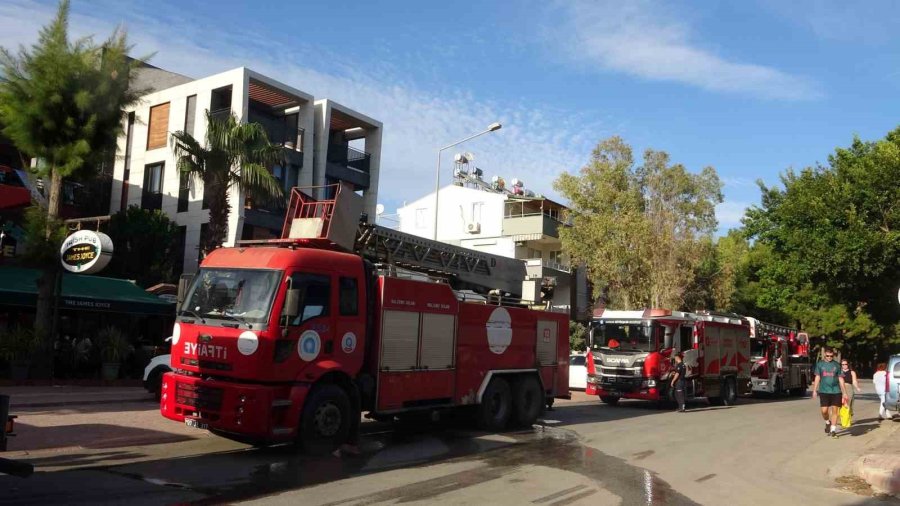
159,126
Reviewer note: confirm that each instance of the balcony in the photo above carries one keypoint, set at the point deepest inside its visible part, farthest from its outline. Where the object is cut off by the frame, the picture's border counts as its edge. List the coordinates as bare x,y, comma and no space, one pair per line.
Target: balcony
151,200
537,265
531,226
350,165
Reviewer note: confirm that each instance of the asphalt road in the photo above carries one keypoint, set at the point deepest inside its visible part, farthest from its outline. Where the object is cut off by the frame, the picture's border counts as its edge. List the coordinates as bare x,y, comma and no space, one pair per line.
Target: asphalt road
760,452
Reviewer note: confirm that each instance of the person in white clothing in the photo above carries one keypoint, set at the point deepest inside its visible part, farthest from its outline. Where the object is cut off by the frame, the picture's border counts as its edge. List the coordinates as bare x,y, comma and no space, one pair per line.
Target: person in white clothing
878,380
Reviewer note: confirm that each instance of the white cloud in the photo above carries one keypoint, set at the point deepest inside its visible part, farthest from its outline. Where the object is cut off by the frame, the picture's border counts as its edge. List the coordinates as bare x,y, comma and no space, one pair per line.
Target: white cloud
537,142
642,39
730,213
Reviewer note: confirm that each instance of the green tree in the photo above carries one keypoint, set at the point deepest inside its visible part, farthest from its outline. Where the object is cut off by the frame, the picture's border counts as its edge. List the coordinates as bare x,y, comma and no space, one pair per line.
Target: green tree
61,102
642,231
235,155
834,233
146,249
578,335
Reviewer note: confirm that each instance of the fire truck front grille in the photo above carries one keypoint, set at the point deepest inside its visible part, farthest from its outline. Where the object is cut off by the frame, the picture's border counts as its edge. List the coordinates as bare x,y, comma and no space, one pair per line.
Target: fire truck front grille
198,396
620,371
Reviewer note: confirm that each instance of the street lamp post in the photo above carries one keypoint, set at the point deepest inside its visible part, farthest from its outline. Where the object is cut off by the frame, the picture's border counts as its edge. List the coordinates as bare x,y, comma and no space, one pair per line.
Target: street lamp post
493,127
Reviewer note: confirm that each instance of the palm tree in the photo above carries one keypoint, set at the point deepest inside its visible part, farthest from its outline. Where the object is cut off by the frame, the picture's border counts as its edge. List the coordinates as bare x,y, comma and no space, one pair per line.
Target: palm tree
235,154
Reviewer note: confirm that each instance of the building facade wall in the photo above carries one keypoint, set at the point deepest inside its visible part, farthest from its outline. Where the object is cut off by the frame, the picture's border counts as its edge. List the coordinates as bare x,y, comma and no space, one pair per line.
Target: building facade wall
194,218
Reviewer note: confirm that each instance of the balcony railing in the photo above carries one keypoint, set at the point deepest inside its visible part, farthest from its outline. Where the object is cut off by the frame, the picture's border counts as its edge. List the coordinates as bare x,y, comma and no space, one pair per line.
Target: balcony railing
151,200
549,264
530,224
353,158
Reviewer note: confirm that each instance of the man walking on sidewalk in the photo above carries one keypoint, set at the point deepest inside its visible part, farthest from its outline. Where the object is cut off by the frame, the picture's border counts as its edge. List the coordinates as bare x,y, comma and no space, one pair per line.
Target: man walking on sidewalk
678,381
828,386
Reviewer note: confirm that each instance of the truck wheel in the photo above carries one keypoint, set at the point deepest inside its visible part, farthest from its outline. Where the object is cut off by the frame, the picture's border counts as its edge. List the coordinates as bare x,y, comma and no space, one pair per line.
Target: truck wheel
528,401
609,399
729,394
325,422
496,406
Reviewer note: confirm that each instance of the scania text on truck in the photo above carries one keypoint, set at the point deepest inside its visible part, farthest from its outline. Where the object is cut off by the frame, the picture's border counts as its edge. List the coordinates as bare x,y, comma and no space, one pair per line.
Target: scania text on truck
780,359
635,352
292,339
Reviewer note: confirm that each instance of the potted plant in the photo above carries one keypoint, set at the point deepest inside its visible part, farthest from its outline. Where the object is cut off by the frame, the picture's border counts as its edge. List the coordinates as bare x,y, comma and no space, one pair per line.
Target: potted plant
113,349
18,347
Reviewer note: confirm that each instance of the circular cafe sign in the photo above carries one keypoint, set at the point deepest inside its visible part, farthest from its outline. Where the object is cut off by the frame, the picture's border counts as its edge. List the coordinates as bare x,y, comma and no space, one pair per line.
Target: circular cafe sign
86,252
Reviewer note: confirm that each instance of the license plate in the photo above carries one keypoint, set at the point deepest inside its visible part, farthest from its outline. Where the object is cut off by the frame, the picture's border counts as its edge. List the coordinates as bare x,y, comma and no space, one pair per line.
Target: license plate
190,422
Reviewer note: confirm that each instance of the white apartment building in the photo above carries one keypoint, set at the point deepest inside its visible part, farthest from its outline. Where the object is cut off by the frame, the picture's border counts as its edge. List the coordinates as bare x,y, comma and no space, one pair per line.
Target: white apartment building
324,142
500,223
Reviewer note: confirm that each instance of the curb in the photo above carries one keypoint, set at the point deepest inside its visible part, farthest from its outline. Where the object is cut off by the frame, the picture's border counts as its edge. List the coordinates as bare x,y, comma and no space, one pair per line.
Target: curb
881,471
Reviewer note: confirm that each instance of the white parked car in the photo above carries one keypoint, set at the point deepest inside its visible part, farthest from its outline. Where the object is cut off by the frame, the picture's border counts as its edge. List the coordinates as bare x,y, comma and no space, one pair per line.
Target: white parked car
154,371
577,372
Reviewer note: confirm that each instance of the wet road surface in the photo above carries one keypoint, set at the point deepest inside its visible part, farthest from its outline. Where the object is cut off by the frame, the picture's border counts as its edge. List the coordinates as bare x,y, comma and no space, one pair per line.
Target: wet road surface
758,452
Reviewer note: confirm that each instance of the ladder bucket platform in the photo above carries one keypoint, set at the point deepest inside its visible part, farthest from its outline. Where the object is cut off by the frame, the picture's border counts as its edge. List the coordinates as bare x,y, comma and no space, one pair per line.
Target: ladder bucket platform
333,218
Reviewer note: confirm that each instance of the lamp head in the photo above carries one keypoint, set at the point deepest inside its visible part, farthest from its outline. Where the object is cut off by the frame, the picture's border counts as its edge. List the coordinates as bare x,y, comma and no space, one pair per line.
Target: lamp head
493,127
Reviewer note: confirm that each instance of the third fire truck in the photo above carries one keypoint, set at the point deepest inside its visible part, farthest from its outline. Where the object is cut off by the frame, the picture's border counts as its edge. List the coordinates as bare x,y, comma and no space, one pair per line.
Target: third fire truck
633,359
780,358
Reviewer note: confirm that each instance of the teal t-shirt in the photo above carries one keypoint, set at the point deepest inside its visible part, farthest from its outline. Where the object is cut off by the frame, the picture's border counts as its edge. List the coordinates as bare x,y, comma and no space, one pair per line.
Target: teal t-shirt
828,373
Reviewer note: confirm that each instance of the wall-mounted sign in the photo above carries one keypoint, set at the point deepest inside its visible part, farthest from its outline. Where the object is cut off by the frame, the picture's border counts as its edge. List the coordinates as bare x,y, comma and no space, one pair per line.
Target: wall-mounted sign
86,252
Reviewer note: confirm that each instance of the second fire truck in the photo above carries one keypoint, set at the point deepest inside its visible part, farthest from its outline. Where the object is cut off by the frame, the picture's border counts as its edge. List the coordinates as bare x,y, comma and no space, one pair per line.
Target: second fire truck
634,357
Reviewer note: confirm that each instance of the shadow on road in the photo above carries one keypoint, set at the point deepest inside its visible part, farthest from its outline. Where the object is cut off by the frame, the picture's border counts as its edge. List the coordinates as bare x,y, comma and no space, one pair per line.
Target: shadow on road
89,435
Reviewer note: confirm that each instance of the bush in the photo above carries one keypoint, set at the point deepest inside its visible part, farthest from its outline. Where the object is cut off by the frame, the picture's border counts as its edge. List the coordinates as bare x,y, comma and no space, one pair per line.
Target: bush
19,345
114,347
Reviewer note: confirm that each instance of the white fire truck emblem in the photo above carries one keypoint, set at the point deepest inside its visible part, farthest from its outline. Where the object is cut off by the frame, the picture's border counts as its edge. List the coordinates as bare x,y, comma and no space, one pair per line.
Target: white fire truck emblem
348,343
309,345
499,330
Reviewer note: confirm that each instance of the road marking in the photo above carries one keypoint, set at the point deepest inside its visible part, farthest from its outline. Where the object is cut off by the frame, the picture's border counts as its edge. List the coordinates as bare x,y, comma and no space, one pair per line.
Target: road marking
574,498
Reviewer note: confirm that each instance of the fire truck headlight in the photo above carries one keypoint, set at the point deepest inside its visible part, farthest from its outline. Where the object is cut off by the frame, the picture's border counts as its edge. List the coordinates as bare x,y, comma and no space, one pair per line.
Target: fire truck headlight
651,383
247,343
176,333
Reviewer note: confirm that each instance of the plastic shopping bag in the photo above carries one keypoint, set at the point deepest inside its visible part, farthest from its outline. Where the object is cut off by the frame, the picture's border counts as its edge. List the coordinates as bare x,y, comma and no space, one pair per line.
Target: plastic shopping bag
846,418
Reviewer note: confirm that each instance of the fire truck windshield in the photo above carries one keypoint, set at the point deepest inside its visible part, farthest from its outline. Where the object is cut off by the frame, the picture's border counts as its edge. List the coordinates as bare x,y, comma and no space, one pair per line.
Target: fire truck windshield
638,336
757,348
242,295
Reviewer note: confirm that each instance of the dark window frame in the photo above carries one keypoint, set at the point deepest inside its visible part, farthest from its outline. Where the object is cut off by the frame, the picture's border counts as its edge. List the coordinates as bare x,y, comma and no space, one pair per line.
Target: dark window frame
305,280
348,296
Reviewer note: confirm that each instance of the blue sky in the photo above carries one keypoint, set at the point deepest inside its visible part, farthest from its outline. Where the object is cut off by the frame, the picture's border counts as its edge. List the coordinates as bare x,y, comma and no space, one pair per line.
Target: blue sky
751,88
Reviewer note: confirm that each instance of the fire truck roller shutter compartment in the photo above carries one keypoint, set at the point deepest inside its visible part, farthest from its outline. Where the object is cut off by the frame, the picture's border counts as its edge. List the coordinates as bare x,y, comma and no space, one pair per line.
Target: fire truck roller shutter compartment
438,341
546,342
399,340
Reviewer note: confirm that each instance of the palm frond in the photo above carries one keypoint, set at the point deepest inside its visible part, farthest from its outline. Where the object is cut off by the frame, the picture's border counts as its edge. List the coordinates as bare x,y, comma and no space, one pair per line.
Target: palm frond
258,182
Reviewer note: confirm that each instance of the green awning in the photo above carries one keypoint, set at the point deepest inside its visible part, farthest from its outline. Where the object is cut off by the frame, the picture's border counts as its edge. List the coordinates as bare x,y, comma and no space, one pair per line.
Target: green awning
18,287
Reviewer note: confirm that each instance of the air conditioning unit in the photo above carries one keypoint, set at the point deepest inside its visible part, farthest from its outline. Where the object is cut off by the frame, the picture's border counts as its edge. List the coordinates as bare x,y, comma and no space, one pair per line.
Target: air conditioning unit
473,228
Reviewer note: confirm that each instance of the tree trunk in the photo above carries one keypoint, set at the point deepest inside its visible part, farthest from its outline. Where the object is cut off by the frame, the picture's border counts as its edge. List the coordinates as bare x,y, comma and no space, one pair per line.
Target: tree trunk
219,208
53,201
44,314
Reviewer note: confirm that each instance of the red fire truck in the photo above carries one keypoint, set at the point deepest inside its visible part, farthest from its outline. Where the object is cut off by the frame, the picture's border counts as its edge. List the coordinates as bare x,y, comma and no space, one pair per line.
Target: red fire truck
780,357
292,339
634,357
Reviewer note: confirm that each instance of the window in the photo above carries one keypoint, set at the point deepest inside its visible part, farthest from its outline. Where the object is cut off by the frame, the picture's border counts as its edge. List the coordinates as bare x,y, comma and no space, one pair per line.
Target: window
349,297
578,360
686,336
153,184
158,127
178,250
190,114
476,211
420,217
183,191
315,294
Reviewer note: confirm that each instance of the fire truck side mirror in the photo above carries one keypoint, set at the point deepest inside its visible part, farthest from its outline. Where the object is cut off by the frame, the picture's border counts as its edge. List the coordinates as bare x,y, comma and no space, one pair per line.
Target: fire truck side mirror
291,303
184,283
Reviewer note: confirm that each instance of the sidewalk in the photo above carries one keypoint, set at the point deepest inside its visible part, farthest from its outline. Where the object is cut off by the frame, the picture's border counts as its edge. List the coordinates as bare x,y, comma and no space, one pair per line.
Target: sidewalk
881,467
28,397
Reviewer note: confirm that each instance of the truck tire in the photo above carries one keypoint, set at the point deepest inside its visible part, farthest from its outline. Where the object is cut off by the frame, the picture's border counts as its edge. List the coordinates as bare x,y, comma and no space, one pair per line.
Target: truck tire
325,422
609,399
496,406
528,401
729,392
